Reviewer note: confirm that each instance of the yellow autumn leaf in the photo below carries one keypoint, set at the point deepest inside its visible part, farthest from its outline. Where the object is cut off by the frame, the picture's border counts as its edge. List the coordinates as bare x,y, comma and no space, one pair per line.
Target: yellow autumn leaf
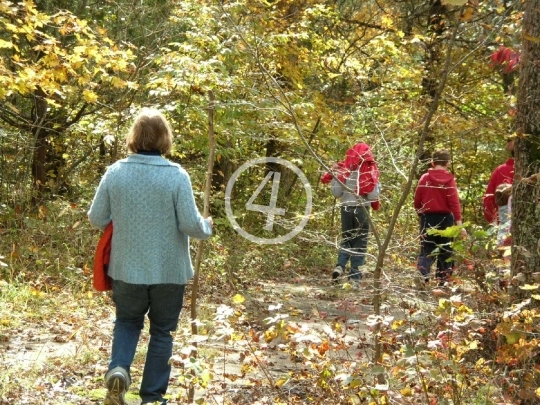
29,5
406,392
92,50
11,27
238,299
84,79
79,49
454,2
538,392
387,22
90,96
5,44
531,38
530,287
117,82
354,399
356,383
270,335
282,381
467,14
397,324
51,60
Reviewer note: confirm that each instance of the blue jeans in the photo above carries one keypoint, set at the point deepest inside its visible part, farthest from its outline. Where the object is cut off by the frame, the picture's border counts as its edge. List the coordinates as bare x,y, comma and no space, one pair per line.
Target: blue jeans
163,303
354,234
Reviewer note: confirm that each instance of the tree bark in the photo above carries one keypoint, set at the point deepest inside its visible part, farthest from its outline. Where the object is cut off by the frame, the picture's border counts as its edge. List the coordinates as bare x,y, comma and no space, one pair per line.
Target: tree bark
40,134
526,191
436,27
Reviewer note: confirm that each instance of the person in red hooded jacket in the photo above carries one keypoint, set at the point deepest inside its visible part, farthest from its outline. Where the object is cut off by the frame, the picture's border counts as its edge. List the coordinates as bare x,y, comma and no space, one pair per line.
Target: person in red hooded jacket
437,203
355,181
502,174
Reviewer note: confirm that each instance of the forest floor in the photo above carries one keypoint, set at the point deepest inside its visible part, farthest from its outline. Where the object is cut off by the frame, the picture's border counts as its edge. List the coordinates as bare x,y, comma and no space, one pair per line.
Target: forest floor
62,352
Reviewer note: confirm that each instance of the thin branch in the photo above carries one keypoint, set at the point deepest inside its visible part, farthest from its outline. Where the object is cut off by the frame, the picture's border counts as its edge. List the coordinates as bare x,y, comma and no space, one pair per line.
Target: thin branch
77,117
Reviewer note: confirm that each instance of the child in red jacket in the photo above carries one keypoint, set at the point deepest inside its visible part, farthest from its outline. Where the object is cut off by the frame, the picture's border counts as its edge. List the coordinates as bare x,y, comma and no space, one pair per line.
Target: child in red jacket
360,174
501,175
437,204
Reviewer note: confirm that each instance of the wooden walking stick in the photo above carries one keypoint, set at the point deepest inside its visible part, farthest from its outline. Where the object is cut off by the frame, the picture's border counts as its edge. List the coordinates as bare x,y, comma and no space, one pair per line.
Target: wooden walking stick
206,212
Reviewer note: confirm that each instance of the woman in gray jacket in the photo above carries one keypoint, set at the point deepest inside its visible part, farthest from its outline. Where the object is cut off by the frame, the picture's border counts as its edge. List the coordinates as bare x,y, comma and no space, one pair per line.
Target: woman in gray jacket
150,202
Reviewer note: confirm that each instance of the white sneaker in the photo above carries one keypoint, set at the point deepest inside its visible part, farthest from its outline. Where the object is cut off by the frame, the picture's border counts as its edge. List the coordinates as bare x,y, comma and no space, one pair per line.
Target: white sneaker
337,273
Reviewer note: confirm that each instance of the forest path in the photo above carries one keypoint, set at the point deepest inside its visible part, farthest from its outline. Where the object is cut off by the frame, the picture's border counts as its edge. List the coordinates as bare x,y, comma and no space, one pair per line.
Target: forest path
318,307
311,304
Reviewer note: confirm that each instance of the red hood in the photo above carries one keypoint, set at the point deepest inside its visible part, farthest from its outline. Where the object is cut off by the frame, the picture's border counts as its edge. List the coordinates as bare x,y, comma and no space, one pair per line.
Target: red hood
356,155
439,176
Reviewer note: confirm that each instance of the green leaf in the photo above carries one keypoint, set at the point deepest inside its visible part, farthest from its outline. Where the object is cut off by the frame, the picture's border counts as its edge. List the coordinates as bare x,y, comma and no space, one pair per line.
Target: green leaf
377,370
512,337
450,232
409,351
480,234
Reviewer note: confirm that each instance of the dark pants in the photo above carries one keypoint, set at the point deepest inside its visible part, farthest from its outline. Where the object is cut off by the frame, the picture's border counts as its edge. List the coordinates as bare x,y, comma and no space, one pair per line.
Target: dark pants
163,303
354,233
435,247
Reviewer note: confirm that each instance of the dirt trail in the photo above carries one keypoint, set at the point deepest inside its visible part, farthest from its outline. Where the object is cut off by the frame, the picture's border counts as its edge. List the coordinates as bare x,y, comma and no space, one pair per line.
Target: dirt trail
311,304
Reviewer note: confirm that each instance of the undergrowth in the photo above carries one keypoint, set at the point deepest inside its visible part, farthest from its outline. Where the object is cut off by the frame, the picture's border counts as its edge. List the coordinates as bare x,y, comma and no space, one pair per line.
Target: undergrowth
273,330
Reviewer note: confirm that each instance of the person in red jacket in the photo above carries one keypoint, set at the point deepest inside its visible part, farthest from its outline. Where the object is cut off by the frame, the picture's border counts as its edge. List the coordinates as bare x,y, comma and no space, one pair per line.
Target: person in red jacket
502,174
437,203
359,173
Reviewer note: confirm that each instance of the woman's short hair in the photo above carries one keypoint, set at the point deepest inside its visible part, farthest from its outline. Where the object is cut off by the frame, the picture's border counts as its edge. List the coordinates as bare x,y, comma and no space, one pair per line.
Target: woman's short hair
502,194
150,132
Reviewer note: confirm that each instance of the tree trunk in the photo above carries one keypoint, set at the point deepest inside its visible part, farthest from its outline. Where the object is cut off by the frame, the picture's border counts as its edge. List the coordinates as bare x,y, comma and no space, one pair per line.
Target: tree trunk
526,192
436,27
40,133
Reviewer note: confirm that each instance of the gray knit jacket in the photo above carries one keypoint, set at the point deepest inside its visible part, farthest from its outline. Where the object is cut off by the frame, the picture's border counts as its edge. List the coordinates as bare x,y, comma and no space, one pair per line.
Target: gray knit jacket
151,204
350,199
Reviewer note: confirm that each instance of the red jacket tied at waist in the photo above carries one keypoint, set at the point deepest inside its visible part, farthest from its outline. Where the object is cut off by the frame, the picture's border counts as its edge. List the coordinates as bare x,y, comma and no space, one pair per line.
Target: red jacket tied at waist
102,281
